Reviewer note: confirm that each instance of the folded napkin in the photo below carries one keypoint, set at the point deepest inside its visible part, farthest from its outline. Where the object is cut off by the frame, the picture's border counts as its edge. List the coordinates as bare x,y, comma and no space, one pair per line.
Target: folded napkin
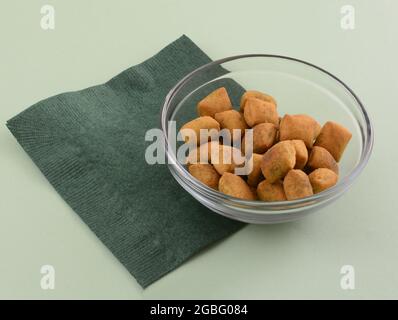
90,145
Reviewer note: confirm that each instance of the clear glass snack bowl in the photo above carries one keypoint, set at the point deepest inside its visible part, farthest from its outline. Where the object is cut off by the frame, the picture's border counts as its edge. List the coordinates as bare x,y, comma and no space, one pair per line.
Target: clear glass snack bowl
298,87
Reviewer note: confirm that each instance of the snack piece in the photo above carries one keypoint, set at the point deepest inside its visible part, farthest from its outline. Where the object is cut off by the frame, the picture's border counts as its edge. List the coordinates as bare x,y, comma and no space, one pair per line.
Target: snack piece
235,186
299,127
215,102
271,191
255,175
202,153
232,119
257,95
259,111
206,174
225,159
322,179
191,130
264,135
301,154
334,138
278,160
321,158
297,185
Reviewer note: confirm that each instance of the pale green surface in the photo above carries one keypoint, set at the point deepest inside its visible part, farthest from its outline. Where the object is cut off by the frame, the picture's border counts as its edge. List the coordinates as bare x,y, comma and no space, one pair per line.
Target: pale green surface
94,40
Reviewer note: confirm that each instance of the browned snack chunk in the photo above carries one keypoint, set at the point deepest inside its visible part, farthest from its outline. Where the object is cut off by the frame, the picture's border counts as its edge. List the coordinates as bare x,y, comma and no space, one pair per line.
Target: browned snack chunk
191,130
334,138
215,102
206,174
271,191
202,153
260,111
297,185
264,135
235,186
322,179
232,119
225,159
255,175
278,160
301,154
321,158
257,95
299,127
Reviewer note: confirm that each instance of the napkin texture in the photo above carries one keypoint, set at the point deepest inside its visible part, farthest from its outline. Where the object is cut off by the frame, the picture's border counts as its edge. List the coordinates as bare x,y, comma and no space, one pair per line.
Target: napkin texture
90,145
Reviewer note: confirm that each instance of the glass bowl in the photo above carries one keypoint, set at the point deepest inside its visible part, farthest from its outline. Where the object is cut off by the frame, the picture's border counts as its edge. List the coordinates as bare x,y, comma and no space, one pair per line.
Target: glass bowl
298,87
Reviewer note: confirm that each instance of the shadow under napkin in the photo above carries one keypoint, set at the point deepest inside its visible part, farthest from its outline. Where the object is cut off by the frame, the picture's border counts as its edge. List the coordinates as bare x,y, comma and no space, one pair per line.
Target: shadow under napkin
90,145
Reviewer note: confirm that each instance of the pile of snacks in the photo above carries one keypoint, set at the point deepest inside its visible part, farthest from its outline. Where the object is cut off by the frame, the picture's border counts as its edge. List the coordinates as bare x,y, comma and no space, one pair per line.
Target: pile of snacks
293,157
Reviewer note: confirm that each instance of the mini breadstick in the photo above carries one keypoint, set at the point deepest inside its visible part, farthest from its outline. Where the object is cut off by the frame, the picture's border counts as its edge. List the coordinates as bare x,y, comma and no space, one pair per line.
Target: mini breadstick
191,130
255,94
278,160
299,127
206,174
232,119
301,154
259,111
271,191
322,179
334,138
264,135
235,186
255,175
297,185
321,158
215,102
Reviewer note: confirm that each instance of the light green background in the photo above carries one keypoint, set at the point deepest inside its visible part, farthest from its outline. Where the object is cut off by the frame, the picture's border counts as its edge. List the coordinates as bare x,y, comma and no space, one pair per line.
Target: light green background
93,41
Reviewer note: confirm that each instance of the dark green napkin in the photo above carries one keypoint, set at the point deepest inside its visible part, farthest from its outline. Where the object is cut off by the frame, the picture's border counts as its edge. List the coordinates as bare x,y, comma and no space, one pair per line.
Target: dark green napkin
90,145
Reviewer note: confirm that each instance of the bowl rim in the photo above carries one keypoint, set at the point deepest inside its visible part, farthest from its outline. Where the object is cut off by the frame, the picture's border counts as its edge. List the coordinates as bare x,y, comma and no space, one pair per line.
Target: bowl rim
342,184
